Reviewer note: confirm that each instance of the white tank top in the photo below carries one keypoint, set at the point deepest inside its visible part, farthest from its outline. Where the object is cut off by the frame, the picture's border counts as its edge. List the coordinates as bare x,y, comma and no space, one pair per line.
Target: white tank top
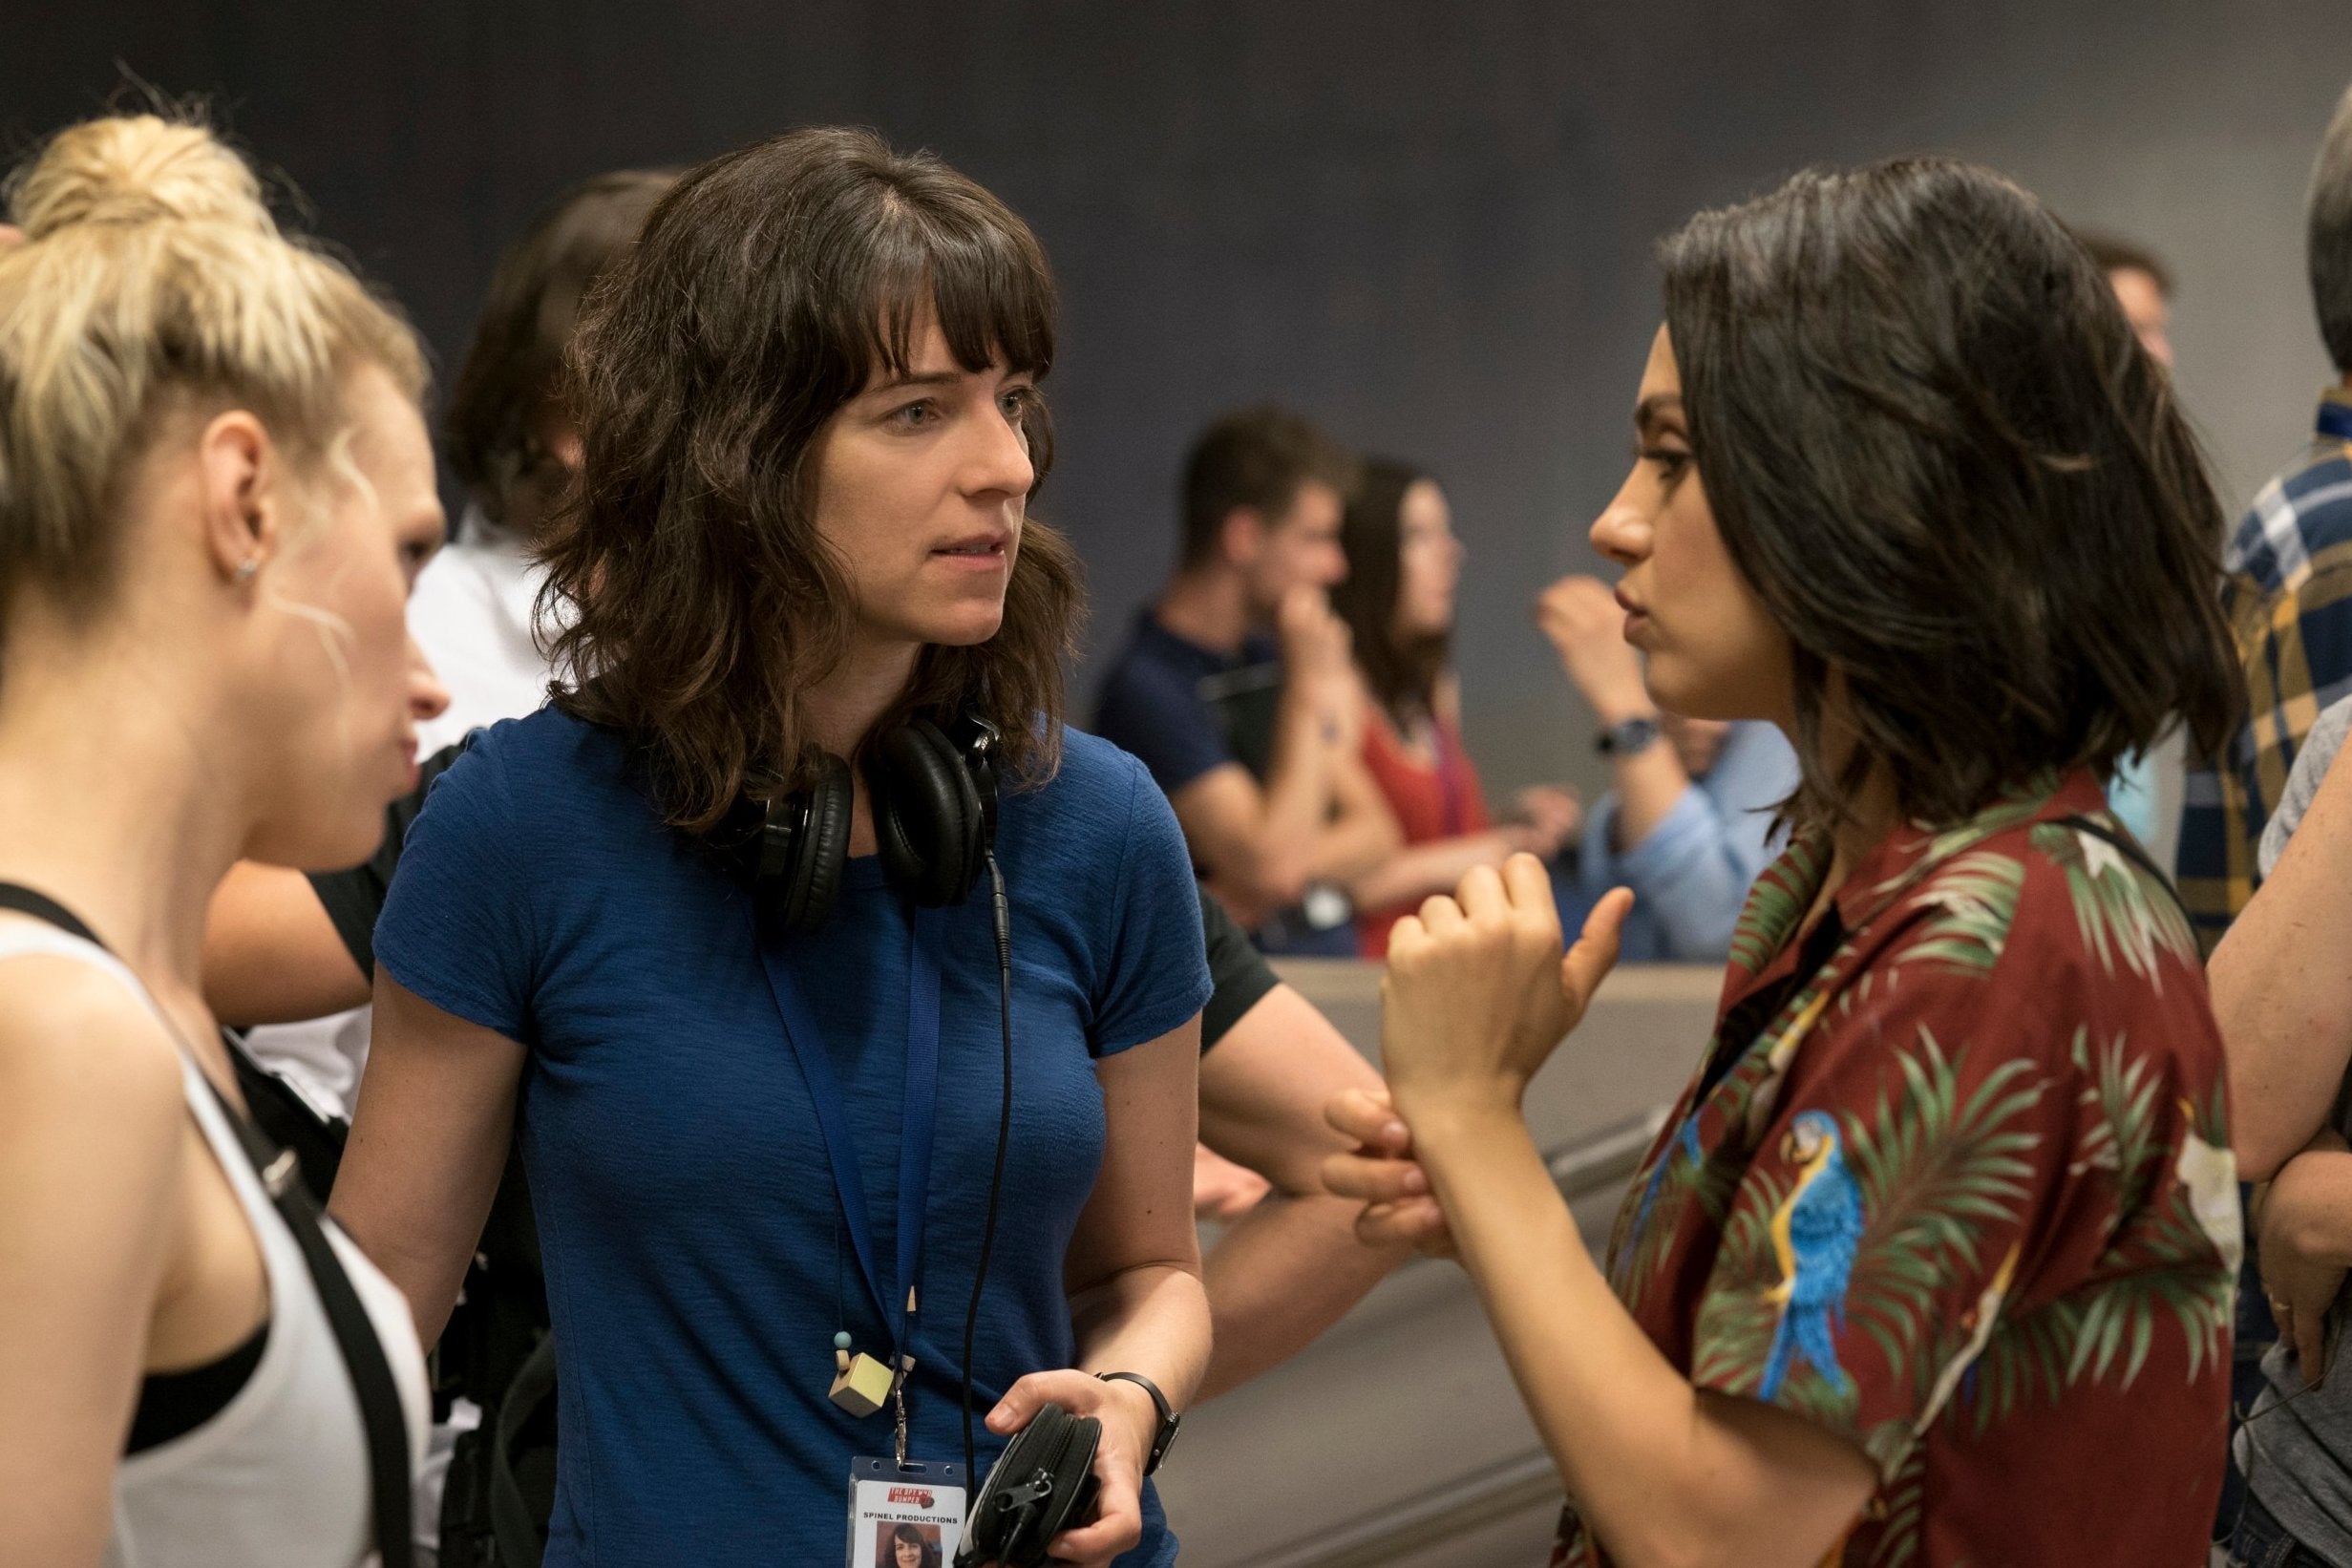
279,1478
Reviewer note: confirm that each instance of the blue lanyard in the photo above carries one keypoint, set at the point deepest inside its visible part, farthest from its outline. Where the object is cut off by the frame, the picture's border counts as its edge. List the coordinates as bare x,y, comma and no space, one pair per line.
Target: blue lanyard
2336,420
894,1297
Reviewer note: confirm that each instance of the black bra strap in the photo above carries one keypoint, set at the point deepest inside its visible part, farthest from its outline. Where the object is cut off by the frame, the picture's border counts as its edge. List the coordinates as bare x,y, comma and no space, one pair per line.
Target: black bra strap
42,908
363,1351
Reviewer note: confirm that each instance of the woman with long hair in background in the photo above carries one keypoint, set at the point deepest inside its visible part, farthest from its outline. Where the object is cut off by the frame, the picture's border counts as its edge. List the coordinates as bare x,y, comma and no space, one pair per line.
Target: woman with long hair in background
1404,566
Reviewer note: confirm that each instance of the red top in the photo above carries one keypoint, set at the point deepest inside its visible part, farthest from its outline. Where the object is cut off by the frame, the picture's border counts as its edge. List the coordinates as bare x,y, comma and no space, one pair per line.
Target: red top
1440,799
1964,1194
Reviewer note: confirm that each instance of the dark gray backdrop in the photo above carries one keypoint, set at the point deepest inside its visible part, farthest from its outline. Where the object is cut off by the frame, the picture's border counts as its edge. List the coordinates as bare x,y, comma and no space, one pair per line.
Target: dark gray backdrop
1424,222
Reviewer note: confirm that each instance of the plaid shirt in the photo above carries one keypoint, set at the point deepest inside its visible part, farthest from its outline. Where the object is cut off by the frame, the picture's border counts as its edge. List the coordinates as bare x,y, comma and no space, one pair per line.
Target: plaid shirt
2287,594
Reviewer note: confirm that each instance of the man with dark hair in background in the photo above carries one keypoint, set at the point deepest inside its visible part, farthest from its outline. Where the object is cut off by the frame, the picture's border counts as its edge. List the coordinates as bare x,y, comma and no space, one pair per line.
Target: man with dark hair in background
2142,286
1236,691
2287,592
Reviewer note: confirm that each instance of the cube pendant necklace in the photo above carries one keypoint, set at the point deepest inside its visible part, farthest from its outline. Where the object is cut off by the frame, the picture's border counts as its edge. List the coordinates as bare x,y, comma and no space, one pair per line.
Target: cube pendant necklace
861,1384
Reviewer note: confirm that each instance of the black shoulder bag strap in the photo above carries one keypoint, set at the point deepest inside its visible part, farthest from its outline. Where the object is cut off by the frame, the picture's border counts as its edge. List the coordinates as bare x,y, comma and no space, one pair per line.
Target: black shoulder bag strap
355,1336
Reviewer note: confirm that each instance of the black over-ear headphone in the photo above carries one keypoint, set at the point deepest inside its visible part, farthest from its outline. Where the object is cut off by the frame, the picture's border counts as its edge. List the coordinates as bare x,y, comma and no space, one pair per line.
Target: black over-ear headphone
934,818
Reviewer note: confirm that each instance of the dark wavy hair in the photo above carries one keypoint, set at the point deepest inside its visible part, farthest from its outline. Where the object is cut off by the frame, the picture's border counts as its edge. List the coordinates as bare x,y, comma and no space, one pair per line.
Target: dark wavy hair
766,289
1937,452
1402,671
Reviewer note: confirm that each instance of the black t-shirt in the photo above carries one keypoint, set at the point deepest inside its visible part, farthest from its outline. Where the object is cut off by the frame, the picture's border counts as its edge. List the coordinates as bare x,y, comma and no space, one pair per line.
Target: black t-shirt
354,899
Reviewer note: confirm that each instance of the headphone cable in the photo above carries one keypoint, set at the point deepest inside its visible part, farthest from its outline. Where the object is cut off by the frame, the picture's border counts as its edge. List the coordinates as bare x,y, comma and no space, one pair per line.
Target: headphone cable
1003,1135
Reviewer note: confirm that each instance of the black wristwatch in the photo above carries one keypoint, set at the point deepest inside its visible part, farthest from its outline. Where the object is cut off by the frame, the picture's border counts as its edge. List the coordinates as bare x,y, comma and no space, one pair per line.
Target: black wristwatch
1169,1420
1628,736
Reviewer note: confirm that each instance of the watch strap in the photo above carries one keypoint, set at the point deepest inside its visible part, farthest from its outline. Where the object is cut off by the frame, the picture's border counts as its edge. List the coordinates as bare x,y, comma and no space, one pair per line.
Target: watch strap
1628,736
1168,1419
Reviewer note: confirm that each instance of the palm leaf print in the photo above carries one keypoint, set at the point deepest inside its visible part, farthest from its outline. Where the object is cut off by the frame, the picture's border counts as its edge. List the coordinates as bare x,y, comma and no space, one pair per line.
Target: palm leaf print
2028,1357
2157,1266
2118,1100
2122,1312
2002,815
1937,1173
1649,1220
2115,909
1973,902
1776,903
1904,1497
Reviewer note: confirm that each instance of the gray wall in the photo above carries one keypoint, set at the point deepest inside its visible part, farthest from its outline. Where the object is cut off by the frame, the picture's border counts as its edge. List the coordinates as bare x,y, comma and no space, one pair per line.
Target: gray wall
1426,223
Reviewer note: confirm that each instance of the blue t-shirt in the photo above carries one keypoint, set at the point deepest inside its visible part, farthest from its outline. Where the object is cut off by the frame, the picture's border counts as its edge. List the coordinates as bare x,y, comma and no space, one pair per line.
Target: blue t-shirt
696,1266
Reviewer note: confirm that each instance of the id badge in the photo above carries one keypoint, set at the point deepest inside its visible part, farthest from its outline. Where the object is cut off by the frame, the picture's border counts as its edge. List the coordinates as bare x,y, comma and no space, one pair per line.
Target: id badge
907,1516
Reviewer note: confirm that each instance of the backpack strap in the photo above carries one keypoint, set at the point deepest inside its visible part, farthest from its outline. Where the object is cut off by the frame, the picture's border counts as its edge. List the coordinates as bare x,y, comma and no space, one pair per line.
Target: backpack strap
514,1522
355,1336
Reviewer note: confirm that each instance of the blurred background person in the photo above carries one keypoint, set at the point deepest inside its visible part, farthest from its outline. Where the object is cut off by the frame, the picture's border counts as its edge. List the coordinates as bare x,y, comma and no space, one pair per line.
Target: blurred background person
1235,690
1690,817
2142,286
1404,562
513,446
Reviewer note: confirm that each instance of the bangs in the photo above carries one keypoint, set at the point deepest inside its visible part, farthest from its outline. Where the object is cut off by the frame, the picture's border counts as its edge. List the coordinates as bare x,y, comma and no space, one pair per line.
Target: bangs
988,283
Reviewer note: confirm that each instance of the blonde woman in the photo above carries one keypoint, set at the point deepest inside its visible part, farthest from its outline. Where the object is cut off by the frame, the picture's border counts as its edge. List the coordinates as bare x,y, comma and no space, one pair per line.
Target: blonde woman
215,487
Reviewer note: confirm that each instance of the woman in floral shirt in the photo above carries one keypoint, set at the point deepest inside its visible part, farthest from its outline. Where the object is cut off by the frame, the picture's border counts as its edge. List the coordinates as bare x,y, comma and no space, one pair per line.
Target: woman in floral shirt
1931,1264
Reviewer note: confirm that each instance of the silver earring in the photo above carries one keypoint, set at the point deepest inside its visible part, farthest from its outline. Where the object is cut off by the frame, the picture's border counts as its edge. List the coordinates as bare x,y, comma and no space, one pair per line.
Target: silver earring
246,567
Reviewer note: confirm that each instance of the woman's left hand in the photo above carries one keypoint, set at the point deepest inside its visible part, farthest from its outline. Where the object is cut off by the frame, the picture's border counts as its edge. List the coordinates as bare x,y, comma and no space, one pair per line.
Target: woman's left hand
1477,992
2301,1287
1548,818
1130,1421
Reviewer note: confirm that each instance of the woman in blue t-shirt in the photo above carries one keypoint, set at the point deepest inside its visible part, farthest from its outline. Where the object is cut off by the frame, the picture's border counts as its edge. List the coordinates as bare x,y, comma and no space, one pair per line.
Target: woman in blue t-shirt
810,426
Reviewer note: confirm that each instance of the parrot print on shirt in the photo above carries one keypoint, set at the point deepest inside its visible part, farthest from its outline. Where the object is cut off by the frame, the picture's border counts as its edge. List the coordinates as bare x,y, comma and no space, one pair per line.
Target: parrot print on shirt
1813,1235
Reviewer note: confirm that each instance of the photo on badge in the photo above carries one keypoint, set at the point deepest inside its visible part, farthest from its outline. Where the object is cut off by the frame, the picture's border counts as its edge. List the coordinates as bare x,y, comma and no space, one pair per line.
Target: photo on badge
910,1517
907,1546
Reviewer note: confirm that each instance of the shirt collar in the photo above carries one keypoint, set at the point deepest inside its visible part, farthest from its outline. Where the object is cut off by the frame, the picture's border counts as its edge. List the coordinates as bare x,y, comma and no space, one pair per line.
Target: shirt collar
1257,647
1901,861
2335,416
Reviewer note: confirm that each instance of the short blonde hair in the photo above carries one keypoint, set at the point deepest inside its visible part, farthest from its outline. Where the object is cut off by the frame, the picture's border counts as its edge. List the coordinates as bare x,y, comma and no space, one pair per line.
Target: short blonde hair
151,272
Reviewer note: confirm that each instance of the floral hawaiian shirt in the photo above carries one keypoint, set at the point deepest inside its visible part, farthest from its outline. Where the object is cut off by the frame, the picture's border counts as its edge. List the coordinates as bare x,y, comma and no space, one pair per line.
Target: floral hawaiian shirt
1955,1182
